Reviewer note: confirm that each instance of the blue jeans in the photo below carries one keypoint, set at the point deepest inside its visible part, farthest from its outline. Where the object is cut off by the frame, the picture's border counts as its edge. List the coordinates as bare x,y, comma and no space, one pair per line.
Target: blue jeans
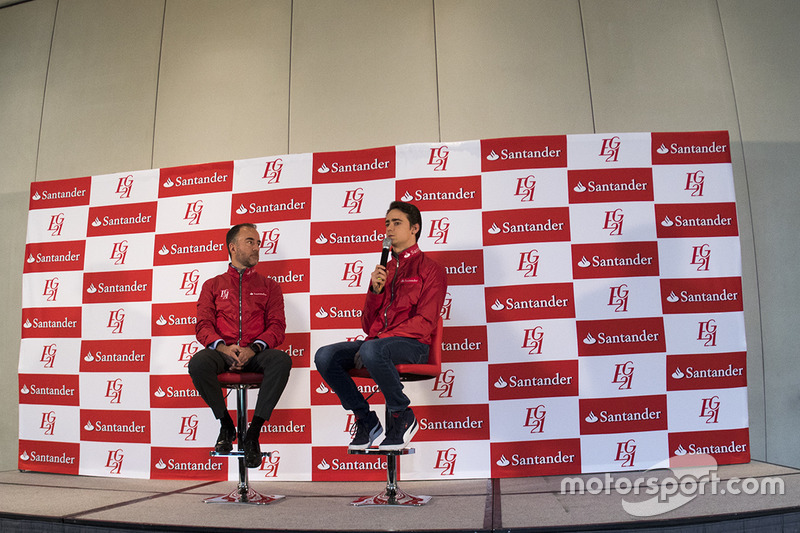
379,356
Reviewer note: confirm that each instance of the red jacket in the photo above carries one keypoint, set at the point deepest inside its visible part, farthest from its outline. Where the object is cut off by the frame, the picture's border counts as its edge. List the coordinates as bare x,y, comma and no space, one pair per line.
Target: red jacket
411,300
260,316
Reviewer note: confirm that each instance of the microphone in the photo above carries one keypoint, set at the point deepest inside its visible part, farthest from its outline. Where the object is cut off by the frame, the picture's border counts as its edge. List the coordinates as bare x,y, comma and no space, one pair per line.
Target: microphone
387,246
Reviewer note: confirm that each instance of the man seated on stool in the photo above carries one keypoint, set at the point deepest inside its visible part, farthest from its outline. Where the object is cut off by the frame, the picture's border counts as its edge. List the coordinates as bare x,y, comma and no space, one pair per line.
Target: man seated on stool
240,321
400,313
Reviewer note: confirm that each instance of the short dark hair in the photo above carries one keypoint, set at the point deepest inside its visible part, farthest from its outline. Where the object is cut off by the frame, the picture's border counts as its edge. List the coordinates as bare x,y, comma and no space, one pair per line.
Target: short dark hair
234,232
411,212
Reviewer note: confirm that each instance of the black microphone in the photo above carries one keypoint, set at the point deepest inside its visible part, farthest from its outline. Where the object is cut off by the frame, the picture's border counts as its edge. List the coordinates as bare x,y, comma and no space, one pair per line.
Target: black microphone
387,246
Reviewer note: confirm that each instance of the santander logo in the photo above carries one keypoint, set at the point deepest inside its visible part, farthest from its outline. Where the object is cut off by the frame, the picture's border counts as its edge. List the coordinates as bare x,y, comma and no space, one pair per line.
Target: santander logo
523,153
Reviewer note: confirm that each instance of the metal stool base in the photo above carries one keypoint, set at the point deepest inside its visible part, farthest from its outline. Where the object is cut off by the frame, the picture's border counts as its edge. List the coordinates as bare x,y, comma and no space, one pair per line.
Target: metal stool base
397,497
251,497
392,495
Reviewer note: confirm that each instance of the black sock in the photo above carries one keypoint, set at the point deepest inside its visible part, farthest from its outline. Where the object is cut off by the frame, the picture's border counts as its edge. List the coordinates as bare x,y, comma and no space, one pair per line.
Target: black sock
226,422
254,431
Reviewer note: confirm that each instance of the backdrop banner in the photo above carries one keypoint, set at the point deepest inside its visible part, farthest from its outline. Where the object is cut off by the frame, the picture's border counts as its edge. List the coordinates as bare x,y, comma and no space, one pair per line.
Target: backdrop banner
593,319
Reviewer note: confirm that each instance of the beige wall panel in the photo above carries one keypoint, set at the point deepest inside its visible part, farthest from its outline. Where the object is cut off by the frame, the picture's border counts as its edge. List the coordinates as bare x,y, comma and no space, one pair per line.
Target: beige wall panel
101,88
363,74
764,53
224,83
658,65
13,214
509,68
25,32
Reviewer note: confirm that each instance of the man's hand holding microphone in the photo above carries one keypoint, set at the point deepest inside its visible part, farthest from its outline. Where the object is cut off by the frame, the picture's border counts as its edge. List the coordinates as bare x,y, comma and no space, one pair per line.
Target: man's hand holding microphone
378,277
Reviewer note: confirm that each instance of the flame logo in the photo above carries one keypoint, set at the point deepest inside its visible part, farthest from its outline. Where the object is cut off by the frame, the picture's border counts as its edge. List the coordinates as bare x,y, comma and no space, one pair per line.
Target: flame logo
579,187
662,149
31,259
25,390
96,223
583,263
89,357
27,324
161,321
500,383
161,465
163,250
322,313
25,456
681,450
323,465
494,230
497,306
322,389
503,461
321,239
407,197
589,339
672,298
88,426
241,210
678,374
591,418
159,393
168,183
91,289
323,169
36,196
667,222
492,156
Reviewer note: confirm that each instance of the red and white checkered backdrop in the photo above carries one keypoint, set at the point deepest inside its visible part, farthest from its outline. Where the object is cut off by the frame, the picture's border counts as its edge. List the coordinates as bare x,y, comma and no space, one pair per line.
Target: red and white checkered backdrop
593,320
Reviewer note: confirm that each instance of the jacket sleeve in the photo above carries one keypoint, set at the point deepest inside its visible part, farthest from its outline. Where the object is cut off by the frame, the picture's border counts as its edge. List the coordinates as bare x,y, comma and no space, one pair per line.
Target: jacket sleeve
205,328
372,306
275,319
421,325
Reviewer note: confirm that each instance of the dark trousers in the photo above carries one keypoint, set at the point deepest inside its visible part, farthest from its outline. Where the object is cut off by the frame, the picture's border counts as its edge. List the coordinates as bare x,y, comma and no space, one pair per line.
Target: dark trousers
379,356
206,364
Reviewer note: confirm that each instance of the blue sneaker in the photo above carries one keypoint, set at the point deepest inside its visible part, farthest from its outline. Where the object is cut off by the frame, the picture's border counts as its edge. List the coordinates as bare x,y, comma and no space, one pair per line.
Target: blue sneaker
365,432
401,427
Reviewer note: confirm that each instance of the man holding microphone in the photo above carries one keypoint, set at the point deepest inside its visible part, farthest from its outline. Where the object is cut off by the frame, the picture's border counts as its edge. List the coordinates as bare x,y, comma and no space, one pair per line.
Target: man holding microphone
400,313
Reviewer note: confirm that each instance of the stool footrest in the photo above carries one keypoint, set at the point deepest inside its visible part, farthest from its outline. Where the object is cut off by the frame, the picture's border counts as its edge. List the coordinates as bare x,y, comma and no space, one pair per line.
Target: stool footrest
378,451
236,453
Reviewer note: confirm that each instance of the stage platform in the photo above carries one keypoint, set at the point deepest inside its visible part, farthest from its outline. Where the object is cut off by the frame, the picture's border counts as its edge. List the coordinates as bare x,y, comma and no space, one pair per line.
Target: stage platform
33,502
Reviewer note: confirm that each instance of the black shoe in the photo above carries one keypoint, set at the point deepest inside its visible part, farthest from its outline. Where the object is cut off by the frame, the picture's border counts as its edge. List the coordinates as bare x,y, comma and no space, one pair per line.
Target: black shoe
366,432
252,453
400,429
225,440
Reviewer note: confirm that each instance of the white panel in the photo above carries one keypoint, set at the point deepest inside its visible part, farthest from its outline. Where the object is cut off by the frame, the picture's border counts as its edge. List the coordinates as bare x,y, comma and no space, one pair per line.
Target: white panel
511,68
224,81
658,66
363,74
101,88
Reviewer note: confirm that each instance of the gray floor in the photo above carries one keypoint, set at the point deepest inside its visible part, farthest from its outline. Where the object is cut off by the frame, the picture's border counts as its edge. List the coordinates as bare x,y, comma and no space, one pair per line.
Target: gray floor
473,505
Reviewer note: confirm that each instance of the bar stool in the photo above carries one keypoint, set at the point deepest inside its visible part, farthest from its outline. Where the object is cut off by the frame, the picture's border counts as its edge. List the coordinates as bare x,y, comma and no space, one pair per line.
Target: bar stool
392,494
241,382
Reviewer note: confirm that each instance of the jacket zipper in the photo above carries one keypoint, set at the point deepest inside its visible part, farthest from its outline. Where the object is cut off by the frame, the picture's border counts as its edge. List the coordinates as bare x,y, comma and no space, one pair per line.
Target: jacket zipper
241,275
391,296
